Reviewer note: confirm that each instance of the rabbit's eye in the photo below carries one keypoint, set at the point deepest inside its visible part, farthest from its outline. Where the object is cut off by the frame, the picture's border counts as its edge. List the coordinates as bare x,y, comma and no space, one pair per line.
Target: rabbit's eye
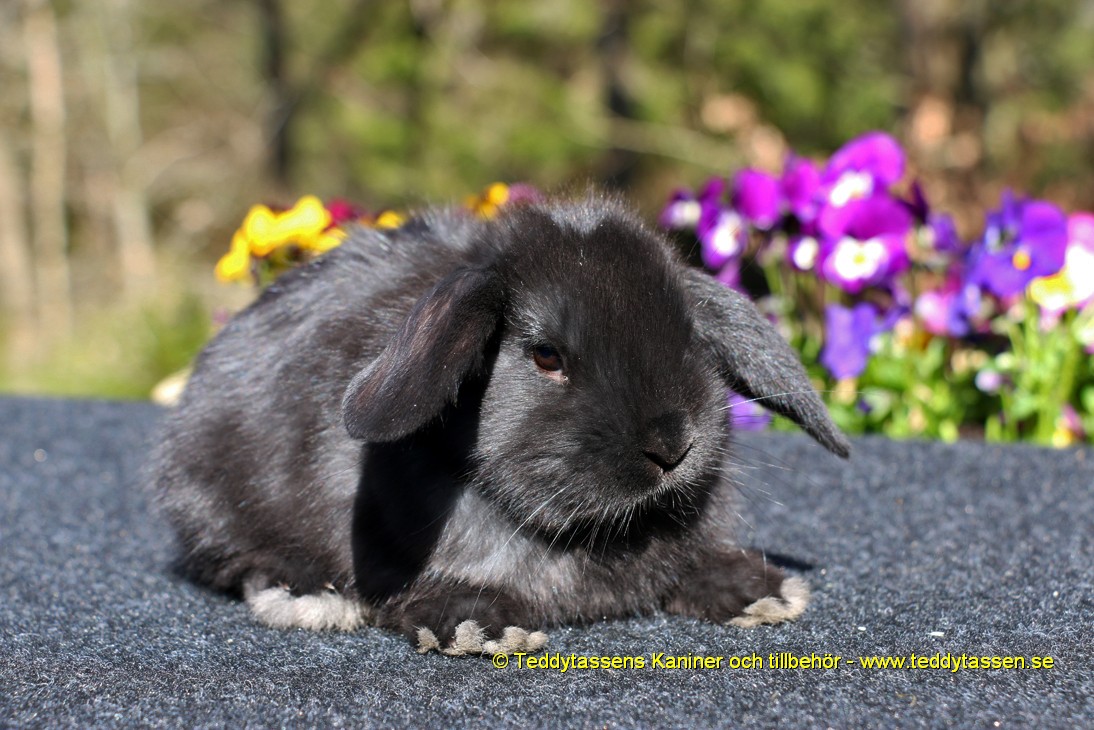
547,359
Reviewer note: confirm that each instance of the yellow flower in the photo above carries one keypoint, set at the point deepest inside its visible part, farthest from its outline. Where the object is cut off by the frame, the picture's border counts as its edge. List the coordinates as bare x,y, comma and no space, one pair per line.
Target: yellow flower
487,203
1062,436
258,230
236,264
300,224
390,219
498,194
325,241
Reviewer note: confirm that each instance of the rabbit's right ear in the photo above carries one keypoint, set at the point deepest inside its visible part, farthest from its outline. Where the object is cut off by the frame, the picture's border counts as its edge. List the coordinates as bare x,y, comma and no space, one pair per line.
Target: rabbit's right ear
756,362
440,343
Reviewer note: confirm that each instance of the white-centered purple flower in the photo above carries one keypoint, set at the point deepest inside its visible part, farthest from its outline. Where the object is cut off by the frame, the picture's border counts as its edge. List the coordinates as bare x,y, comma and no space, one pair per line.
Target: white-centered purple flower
867,245
864,167
803,251
723,235
681,212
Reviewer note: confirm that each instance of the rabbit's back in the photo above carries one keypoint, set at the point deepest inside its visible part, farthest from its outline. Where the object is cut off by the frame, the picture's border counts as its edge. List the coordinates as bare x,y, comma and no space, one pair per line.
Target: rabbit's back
254,466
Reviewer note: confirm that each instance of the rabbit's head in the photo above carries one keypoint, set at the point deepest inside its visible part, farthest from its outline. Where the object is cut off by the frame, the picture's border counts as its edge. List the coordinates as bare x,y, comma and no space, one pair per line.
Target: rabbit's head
606,363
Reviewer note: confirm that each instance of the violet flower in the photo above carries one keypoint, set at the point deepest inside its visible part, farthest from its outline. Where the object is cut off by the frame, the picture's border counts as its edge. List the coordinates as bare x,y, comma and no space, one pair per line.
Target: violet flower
730,274
1023,240
954,309
1073,286
714,191
746,414
944,238
757,197
847,339
800,183
940,226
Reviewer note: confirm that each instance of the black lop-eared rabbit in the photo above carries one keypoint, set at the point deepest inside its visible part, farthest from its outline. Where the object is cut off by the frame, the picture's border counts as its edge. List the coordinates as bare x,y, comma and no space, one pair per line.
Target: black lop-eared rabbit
468,430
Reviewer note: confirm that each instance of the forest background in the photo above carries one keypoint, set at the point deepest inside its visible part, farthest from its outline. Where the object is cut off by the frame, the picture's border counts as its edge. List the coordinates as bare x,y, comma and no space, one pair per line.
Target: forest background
134,136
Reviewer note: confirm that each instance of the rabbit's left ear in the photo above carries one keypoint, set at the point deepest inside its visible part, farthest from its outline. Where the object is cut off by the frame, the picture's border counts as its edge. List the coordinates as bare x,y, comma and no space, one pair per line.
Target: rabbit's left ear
441,341
756,362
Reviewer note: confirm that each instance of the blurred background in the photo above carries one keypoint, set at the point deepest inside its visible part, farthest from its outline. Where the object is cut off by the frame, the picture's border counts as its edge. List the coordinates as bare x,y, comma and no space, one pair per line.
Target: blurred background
135,135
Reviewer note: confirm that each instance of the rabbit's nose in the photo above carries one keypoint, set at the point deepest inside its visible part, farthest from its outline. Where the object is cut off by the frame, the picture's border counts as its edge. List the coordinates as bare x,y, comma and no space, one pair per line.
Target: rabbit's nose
667,439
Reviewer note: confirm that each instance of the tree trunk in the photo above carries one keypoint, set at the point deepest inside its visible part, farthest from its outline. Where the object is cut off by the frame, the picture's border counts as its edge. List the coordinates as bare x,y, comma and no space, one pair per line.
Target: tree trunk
17,273
281,103
47,175
121,96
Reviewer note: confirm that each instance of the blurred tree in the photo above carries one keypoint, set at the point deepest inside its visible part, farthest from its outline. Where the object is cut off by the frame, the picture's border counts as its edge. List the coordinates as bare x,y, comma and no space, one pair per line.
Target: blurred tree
136,134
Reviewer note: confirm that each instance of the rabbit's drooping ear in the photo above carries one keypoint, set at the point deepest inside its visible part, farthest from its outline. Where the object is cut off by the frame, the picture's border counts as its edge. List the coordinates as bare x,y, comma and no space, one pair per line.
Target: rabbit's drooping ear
756,362
442,340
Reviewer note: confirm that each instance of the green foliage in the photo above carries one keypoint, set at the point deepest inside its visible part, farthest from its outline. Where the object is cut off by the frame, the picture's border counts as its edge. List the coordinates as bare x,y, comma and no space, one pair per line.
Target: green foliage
397,103
120,355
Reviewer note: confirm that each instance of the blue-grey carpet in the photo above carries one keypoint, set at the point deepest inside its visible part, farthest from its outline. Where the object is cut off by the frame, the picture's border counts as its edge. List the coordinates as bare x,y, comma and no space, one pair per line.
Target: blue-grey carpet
922,548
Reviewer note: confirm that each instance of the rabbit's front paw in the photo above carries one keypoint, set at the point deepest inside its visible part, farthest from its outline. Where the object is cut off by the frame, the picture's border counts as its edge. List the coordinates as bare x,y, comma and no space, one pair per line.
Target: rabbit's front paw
459,620
470,638
741,588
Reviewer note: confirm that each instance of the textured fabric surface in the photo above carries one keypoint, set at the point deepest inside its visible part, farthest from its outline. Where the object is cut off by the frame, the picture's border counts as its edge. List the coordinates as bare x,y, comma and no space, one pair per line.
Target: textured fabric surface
910,547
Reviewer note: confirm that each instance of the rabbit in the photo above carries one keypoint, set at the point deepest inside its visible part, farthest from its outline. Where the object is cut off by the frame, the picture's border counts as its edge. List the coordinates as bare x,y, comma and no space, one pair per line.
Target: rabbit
470,430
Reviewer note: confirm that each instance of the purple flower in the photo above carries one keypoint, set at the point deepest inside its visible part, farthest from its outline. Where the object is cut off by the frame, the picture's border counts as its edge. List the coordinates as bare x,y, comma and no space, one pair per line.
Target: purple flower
723,235
918,206
866,165
1023,240
1073,286
756,201
682,210
941,311
714,191
936,307
940,226
523,193
757,197
847,339
952,310
944,238
730,274
746,414
803,251
864,243
800,184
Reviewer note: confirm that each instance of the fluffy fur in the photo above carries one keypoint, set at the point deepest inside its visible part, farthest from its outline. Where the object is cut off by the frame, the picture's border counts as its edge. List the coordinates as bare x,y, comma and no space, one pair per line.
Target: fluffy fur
377,439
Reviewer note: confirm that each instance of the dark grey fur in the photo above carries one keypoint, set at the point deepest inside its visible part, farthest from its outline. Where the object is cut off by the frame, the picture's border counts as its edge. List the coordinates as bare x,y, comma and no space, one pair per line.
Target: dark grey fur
375,424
